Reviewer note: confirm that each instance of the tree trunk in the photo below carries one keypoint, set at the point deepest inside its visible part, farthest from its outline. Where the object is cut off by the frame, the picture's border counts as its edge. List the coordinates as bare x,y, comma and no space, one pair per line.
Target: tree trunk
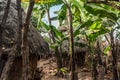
4,19
94,70
25,48
114,61
3,24
93,60
71,48
99,53
102,66
51,35
20,24
57,54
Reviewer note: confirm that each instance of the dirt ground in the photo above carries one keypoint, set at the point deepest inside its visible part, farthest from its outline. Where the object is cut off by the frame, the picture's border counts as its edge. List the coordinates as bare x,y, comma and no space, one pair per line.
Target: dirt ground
49,70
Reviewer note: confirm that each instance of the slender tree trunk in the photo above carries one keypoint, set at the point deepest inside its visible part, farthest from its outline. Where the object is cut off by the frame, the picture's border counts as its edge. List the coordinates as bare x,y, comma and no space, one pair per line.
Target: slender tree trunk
58,57
71,48
114,61
117,48
107,39
48,15
101,70
94,70
25,48
2,24
99,53
51,31
20,24
93,61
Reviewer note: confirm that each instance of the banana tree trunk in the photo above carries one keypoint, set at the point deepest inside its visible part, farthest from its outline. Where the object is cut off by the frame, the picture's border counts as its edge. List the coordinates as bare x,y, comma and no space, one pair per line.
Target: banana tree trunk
71,48
93,61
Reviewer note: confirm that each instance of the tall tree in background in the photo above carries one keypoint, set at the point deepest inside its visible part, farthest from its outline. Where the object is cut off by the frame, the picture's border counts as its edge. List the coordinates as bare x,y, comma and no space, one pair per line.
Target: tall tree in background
25,47
71,40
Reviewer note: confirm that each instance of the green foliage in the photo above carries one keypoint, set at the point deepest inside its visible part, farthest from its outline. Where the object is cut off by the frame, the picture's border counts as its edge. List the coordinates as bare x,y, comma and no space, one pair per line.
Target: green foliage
57,33
63,70
89,20
83,25
106,50
62,14
95,30
45,26
80,14
102,11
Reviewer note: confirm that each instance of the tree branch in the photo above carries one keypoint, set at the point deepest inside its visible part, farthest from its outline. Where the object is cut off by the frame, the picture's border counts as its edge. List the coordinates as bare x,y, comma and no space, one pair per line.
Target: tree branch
25,48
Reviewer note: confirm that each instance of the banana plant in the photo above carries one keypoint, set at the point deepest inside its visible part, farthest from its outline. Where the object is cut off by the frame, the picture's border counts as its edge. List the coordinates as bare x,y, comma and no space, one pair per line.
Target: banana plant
95,13
106,12
59,36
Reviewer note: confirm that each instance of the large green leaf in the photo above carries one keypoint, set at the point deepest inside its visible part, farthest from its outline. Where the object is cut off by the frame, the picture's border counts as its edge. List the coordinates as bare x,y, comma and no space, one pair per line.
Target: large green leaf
84,25
62,14
106,50
57,33
78,6
101,11
109,9
96,25
95,30
45,26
